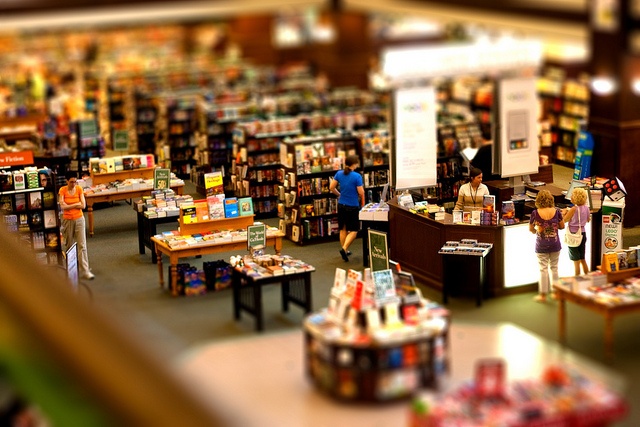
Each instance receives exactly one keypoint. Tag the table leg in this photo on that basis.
(90, 216)
(236, 283)
(608, 336)
(140, 235)
(257, 304)
(481, 281)
(307, 290)
(160, 272)
(562, 318)
(174, 279)
(278, 245)
(284, 288)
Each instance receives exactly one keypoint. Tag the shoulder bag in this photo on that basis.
(573, 239)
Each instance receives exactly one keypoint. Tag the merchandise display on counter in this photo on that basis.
(377, 340)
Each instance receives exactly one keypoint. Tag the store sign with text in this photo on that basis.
(18, 158)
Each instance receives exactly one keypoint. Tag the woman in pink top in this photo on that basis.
(71, 199)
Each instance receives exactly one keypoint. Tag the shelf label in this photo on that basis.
(256, 236)
(161, 178)
(16, 159)
(121, 140)
(378, 252)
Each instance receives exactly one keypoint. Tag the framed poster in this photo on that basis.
(71, 255)
(378, 250)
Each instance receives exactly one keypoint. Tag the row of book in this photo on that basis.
(174, 239)
(621, 260)
(120, 163)
(311, 228)
(32, 220)
(27, 178)
(313, 186)
(319, 164)
(375, 178)
(18, 202)
(216, 207)
(465, 247)
(319, 207)
(273, 265)
(162, 203)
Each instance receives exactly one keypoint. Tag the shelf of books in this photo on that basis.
(374, 149)
(146, 111)
(28, 203)
(311, 163)
(86, 143)
(181, 127)
(258, 167)
(564, 106)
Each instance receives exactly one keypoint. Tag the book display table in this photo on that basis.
(112, 196)
(230, 373)
(183, 244)
(609, 306)
(247, 291)
(147, 228)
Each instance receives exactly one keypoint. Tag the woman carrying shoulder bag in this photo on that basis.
(577, 217)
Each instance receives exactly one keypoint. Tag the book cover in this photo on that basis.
(383, 284)
(632, 257)
(48, 200)
(46, 178)
(117, 164)
(610, 261)
(295, 233)
(489, 203)
(51, 239)
(216, 206)
(231, 207)
(6, 204)
(127, 163)
(35, 200)
(213, 183)
(35, 220)
(188, 213)
(33, 181)
(202, 210)
(340, 279)
(622, 260)
(50, 220)
(19, 181)
(6, 181)
(245, 206)
(111, 164)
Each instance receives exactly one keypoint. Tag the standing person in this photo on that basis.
(470, 194)
(577, 217)
(72, 202)
(350, 200)
(545, 222)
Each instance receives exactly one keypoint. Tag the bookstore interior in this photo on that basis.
(259, 144)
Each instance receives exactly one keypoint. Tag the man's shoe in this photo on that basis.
(344, 255)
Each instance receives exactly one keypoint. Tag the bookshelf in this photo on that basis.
(181, 126)
(146, 115)
(29, 206)
(85, 144)
(314, 160)
(374, 149)
(258, 168)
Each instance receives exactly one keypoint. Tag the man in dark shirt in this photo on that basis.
(483, 159)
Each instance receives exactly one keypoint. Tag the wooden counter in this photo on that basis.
(416, 240)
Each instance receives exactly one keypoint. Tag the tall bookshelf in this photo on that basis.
(29, 206)
(146, 115)
(374, 149)
(312, 161)
(181, 127)
(85, 144)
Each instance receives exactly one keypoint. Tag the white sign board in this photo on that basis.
(415, 147)
(518, 139)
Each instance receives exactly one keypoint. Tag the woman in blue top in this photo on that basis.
(577, 217)
(350, 200)
(545, 222)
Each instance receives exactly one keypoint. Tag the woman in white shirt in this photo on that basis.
(470, 194)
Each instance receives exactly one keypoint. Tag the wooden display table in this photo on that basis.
(609, 311)
(208, 247)
(113, 196)
(247, 293)
(147, 228)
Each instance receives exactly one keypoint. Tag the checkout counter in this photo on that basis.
(511, 266)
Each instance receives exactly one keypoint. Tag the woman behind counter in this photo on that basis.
(470, 194)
